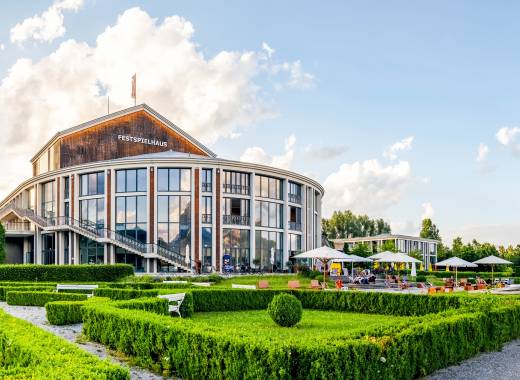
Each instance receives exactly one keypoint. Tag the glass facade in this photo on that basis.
(236, 182)
(268, 187)
(125, 257)
(207, 180)
(131, 181)
(207, 209)
(48, 203)
(295, 218)
(268, 250)
(173, 180)
(92, 184)
(295, 193)
(48, 249)
(295, 244)
(268, 214)
(174, 222)
(207, 249)
(235, 211)
(92, 212)
(131, 217)
(90, 251)
(235, 244)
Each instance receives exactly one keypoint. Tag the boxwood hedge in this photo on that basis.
(28, 352)
(124, 294)
(28, 298)
(63, 273)
(190, 350)
(11, 288)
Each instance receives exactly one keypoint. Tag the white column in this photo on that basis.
(285, 217)
(252, 216)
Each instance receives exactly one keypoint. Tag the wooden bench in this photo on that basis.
(77, 287)
(263, 284)
(240, 286)
(177, 298)
(294, 284)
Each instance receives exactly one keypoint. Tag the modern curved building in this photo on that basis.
(132, 187)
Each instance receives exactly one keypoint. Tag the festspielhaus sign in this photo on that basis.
(142, 140)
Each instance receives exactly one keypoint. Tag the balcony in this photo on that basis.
(295, 198)
(239, 220)
(236, 189)
(206, 218)
(207, 187)
(293, 226)
(18, 228)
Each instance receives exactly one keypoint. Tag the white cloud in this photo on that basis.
(507, 137)
(392, 151)
(298, 78)
(209, 97)
(2, 46)
(324, 152)
(258, 155)
(366, 187)
(47, 26)
(482, 152)
(268, 49)
(428, 211)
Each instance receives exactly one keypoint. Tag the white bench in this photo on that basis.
(175, 282)
(239, 286)
(177, 298)
(76, 287)
(201, 284)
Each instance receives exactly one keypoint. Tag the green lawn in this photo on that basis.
(275, 281)
(316, 326)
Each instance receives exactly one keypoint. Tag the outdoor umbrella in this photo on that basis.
(456, 262)
(492, 260)
(354, 259)
(379, 255)
(391, 257)
(323, 254)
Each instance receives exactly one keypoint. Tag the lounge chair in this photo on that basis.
(315, 284)
(293, 284)
(263, 284)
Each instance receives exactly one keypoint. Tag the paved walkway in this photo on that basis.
(503, 365)
(37, 316)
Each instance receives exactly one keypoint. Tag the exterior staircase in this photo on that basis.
(101, 235)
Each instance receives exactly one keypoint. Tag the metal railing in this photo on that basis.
(207, 187)
(236, 189)
(295, 226)
(206, 218)
(235, 219)
(295, 198)
(25, 213)
(18, 227)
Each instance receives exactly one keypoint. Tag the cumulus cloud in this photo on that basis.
(258, 155)
(507, 137)
(324, 152)
(428, 211)
(366, 187)
(482, 152)
(268, 49)
(392, 151)
(46, 26)
(209, 97)
(298, 78)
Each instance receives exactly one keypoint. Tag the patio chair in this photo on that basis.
(315, 284)
(263, 284)
(432, 290)
(293, 284)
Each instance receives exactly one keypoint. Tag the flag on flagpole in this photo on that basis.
(134, 88)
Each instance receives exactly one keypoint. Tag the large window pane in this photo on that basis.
(162, 180)
(131, 181)
(174, 180)
(121, 181)
(131, 210)
(141, 209)
(162, 209)
(141, 180)
(185, 180)
(120, 210)
(174, 210)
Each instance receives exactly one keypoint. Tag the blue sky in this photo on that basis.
(444, 73)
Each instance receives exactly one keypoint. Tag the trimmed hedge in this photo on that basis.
(28, 352)
(189, 350)
(26, 298)
(78, 273)
(71, 312)
(24, 288)
(145, 285)
(361, 302)
(124, 294)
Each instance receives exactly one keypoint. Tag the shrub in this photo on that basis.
(187, 306)
(40, 298)
(285, 309)
(124, 294)
(67, 312)
(29, 352)
(188, 350)
(5, 289)
(420, 278)
(78, 273)
(153, 305)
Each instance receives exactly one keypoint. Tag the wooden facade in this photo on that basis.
(126, 136)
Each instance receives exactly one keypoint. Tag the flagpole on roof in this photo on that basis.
(134, 88)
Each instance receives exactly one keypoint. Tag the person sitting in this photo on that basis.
(339, 284)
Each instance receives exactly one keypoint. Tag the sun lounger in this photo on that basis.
(293, 284)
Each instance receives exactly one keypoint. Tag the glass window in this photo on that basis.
(174, 222)
(174, 180)
(120, 181)
(267, 187)
(162, 180)
(131, 217)
(207, 180)
(91, 252)
(92, 184)
(207, 249)
(236, 183)
(268, 214)
(185, 180)
(236, 245)
(131, 181)
(207, 209)
(141, 180)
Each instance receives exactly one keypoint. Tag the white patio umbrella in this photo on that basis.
(398, 257)
(323, 254)
(413, 273)
(379, 255)
(354, 259)
(492, 260)
(456, 262)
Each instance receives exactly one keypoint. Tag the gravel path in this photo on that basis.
(37, 316)
(503, 365)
